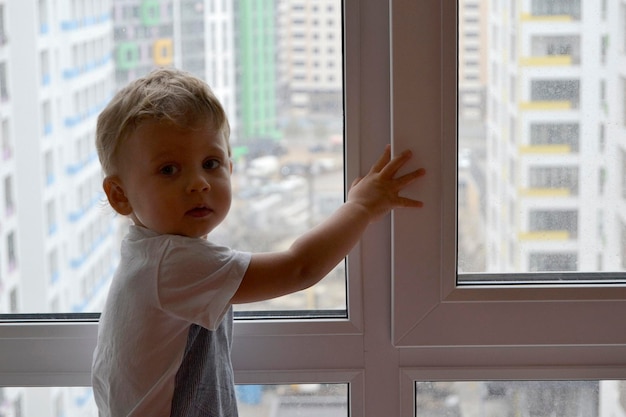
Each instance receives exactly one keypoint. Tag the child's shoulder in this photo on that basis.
(178, 248)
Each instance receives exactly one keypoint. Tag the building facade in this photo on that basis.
(59, 243)
(555, 133)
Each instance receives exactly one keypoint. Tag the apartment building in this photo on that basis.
(57, 74)
(57, 239)
(472, 59)
(555, 133)
(143, 36)
(9, 266)
(256, 70)
(311, 69)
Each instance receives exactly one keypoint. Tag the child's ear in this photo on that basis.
(116, 196)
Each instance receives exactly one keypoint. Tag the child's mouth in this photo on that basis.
(199, 212)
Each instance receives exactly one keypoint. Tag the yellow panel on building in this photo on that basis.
(527, 17)
(163, 51)
(545, 149)
(545, 235)
(545, 192)
(546, 105)
(547, 61)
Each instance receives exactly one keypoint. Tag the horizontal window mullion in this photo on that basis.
(60, 353)
(289, 352)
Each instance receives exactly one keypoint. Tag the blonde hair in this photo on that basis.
(165, 94)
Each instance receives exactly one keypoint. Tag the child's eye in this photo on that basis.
(168, 170)
(211, 164)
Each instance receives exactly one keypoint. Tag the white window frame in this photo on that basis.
(407, 319)
(540, 331)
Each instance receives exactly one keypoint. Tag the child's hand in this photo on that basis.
(377, 192)
(314, 254)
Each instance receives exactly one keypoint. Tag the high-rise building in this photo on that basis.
(9, 266)
(58, 76)
(310, 57)
(472, 59)
(193, 35)
(555, 136)
(57, 240)
(143, 37)
(256, 70)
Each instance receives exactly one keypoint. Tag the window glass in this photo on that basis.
(541, 149)
(303, 400)
(280, 81)
(526, 398)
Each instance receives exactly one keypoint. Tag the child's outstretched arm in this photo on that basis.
(318, 251)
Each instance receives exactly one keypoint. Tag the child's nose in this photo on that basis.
(198, 182)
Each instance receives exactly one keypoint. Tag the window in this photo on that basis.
(4, 90)
(44, 26)
(51, 217)
(46, 110)
(563, 221)
(11, 250)
(516, 397)
(412, 319)
(555, 134)
(556, 7)
(555, 90)
(3, 35)
(554, 262)
(7, 147)
(511, 313)
(558, 178)
(9, 201)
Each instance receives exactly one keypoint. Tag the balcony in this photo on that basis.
(549, 61)
(545, 235)
(549, 105)
(553, 10)
(548, 18)
(546, 192)
(553, 95)
(546, 149)
(551, 225)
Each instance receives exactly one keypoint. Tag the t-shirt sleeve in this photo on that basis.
(197, 280)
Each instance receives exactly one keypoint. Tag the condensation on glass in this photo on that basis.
(276, 66)
(293, 400)
(541, 165)
(520, 398)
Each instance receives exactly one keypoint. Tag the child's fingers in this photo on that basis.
(409, 202)
(382, 161)
(356, 181)
(392, 167)
(406, 179)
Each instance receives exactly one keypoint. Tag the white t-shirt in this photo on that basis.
(164, 286)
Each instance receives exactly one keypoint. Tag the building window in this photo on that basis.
(12, 250)
(4, 88)
(555, 134)
(555, 7)
(554, 220)
(558, 177)
(9, 201)
(556, 90)
(553, 262)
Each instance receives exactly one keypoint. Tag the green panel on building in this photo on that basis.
(127, 56)
(150, 12)
(257, 52)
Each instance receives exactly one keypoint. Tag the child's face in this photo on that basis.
(174, 180)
